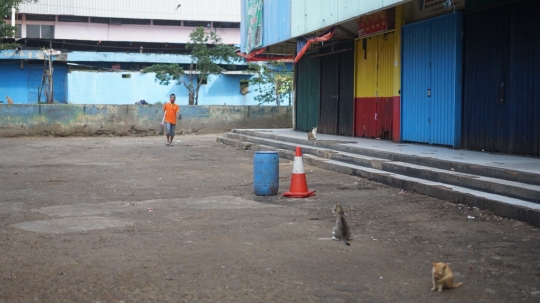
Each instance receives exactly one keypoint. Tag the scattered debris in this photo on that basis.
(470, 217)
(150, 210)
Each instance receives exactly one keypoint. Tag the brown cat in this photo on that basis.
(443, 276)
(9, 100)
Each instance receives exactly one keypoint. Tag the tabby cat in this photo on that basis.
(443, 276)
(341, 231)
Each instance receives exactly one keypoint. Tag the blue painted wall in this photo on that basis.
(90, 87)
(127, 57)
(22, 85)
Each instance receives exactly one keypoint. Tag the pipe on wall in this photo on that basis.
(13, 18)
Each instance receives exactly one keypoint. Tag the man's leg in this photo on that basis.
(173, 129)
(168, 131)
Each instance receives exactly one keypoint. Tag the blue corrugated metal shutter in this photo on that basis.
(522, 129)
(486, 53)
(416, 105)
(431, 81)
(502, 79)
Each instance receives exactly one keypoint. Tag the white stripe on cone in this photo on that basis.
(298, 166)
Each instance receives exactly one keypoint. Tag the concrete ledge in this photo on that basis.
(492, 172)
(140, 120)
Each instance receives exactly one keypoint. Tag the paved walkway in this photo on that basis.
(502, 161)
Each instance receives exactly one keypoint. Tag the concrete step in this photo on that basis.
(372, 168)
(462, 167)
(527, 192)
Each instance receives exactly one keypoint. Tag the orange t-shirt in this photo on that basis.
(172, 112)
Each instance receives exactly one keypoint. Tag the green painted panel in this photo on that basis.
(308, 93)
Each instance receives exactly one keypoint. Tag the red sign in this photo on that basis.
(376, 23)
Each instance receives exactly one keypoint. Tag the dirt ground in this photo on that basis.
(128, 219)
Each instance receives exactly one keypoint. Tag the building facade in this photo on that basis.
(457, 73)
(103, 45)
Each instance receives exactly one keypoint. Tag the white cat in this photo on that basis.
(312, 134)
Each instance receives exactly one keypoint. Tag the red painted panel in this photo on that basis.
(365, 124)
(374, 117)
(384, 118)
(396, 117)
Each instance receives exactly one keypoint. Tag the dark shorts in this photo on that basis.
(170, 128)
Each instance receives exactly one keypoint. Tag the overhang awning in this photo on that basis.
(303, 43)
(257, 56)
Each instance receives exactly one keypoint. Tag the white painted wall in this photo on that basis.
(194, 10)
(125, 32)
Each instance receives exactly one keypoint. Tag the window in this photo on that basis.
(8, 17)
(40, 31)
(226, 25)
(40, 17)
(72, 19)
(136, 21)
(168, 22)
(99, 20)
(198, 23)
(47, 31)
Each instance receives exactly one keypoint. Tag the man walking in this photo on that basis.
(171, 111)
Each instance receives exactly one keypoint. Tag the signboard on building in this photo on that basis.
(254, 24)
(375, 23)
(424, 9)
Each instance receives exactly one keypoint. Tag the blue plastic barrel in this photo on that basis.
(266, 173)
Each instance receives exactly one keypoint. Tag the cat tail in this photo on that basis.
(343, 230)
(456, 285)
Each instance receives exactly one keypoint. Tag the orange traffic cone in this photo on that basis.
(299, 188)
